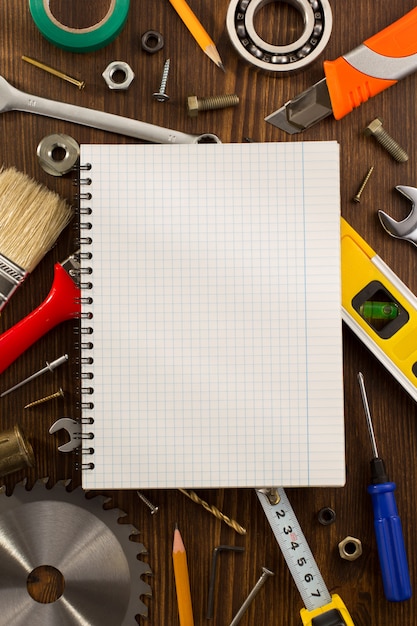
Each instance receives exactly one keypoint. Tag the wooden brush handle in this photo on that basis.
(61, 304)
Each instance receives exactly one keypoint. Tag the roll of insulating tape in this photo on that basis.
(80, 39)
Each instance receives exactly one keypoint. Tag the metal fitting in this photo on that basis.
(326, 516)
(375, 129)
(350, 548)
(195, 104)
(152, 41)
(49, 150)
(118, 75)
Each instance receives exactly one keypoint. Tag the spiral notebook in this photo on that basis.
(212, 335)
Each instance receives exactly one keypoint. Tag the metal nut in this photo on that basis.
(350, 548)
(118, 75)
(152, 41)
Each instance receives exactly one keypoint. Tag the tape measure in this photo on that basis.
(321, 608)
(82, 39)
(379, 308)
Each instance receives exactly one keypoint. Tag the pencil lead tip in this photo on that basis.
(220, 64)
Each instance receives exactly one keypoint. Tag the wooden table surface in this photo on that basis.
(395, 413)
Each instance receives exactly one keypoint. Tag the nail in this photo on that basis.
(266, 573)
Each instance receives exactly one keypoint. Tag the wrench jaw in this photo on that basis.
(73, 428)
(407, 228)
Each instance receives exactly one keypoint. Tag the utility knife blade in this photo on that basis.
(378, 63)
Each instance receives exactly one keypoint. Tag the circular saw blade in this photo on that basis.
(84, 543)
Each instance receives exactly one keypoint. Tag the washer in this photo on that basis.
(317, 19)
(45, 152)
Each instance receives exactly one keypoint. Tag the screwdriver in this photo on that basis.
(387, 523)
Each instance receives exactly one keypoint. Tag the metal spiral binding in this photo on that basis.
(86, 330)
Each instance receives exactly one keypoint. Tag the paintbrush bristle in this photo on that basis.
(31, 218)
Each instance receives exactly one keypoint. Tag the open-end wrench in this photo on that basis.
(73, 428)
(407, 228)
(11, 99)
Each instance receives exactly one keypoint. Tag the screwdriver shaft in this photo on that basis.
(368, 414)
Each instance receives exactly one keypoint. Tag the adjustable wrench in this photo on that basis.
(407, 228)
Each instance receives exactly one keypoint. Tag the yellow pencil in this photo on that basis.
(197, 30)
(182, 582)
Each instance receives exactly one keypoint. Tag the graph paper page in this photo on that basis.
(216, 303)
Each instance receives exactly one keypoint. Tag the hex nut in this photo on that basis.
(124, 70)
(192, 106)
(350, 548)
(152, 41)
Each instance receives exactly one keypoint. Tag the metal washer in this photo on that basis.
(317, 18)
(45, 153)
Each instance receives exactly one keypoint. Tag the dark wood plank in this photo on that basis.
(358, 582)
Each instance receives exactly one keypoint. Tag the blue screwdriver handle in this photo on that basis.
(390, 542)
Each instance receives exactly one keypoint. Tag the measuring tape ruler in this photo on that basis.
(80, 39)
(321, 608)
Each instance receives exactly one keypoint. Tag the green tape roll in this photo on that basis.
(84, 39)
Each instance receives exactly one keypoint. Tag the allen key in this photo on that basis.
(216, 551)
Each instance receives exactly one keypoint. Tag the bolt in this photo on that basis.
(160, 95)
(74, 81)
(57, 394)
(154, 509)
(266, 573)
(196, 104)
(357, 197)
(376, 129)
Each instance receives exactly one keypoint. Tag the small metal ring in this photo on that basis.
(45, 152)
(326, 516)
(317, 19)
(152, 41)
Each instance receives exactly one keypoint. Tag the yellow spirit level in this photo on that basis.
(369, 287)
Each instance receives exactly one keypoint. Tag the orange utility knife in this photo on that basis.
(352, 79)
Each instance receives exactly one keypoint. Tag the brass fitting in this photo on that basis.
(350, 548)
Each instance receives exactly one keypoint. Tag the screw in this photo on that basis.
(376, 129)
(154, 509)
(195, 104)
(160, 95)
(357, 197)
(266, 573)
(79, 83)
(57, 394)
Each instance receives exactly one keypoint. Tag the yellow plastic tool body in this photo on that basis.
(364, 272)
(336, 610)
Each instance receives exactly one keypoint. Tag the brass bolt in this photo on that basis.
(375, 129)
(357, 197)
(195, 104)
(57, 394)
(74, 81)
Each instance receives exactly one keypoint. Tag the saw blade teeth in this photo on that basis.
(125, 587)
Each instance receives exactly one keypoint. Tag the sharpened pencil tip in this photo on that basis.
(222, 67)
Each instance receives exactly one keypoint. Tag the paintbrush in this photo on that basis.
(31, 219)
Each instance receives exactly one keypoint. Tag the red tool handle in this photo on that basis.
(61, 304)
(369, 69)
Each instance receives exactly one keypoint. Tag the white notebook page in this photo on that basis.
(216, 315)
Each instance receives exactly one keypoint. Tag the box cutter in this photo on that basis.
(62, 303)
(352, 79)
(369, 290)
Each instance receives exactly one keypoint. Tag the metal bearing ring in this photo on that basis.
(50, 145)
(152, 41)
(317, 18)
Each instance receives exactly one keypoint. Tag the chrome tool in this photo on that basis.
(387, 523)
(352, 79)
(407, 228)
(77, 551)
(11, 99)
(320, 607)
(369, 284)
(49, 367)
(74, 430)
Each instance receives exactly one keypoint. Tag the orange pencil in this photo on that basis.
(197, 30)
(182, 582)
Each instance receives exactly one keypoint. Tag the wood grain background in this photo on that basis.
(279, 603)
